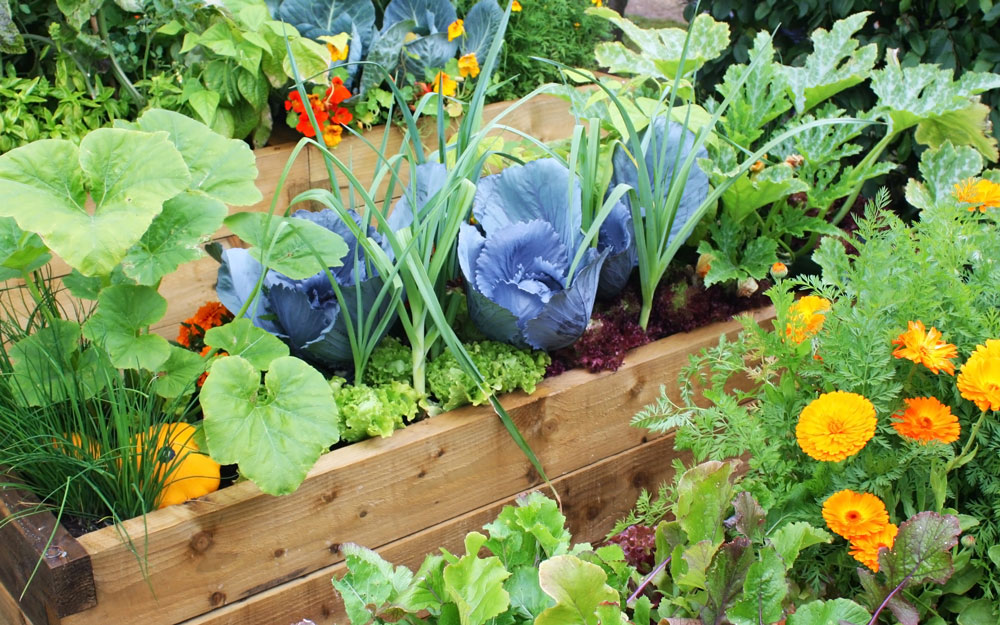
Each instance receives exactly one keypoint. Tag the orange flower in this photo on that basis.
(853, 515)
(192, 330)
(445, 84)
(925, 348)
(336, 52)
(204, 352)
(865, 548)
(835, 425)
(515, 7)
(336, 92)
(805, 317)
(456, 29)
(332, 134)
(779, 270)
(926, 419)
(979, 378)
(597, 3)
(468, 65)
(981, 194)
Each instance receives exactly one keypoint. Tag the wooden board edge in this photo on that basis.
(10, 610)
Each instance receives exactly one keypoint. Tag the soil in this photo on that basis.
(657, 9)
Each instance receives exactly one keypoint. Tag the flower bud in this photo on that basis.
(704, 265)
(794, 160)
(968, 540)
(757, 167)
(746, 287)
(779, 270)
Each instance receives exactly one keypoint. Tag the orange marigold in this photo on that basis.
(852, 515)
(926, 419)
(210, 315)
(979, 377)
(865, 548)
(835, 425)
(805, 317)
(925, 347)
(978, 194)
(515, 7)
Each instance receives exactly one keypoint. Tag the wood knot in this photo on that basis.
(217, 599)
(422, 473)
(200, 542)
(438, 453)
(640, 479)
(363, 514)
(278, 553)
(328, 497)
(334, 548)
(593, 511)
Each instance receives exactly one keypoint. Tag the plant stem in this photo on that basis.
(76, 61)
(888, 597)
(119, 72)
(956, 461)
(646, 580)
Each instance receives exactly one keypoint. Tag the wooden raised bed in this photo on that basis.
(238, 556)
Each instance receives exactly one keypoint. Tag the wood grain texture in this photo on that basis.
(593, 498)
(10, 610)
(63, 583)
(238, 542)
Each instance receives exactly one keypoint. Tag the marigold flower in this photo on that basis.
(805, 317)
(865, 548)
(978, 194)
(926, 348)
(926, 419)
(208, 316)
(515, 7)
(337, 53)
(853, 515)
(979, 377)
(468, 65)
(835, 425)
(204, 352)
(456, 29)
(445, 84)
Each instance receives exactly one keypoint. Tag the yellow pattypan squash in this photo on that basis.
(189, 473)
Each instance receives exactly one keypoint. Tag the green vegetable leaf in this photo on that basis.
(690, 564)
(941, 169)
(367, 411)
(578, 588)
(283, 243)
(527, 599)
(43, 369)
(241, 337)
(724, 578)
(519, 531)
(750, 516)
(178, 374)
(764, 591)
(837, 611)
(427, 591)
(128, 174)
(475, 584)
(836, 63)
(124, 312)
(759, 100)
(748, 194)
(77, 12)
(11, 41)
(82, 286)
(922, 550)
(370, 583)
(703, 496)
(790, 539)
(275, 432)
(968, 126)
(20, 251)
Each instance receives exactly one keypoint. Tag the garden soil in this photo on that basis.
(657, 9)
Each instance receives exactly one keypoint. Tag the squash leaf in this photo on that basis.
(283, 243)
(124, 312)
(241, 338)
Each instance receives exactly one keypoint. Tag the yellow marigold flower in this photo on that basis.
(445, 84)
(853, 515)
(926, 348)
(805, 317)
(468, 66)
(456, 29)
(597, 3)
(979, 377)
(981, 194)
(835, 425)
(515, 7)
(865, 548)
(926, 419)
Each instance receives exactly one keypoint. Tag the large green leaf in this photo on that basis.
(519, 531)
(124, 311)
(968, 126)
(77, 12)
(835, 64)
(922, 550)
(221, 168)
(475, 584)
(283, 243)
(790, 539)
(43, 364)
(385, 51)
(129, 175)
(703, 496)
(941, 169)
(748, 193)
(177, 375)
(369, 584)
(689, 566)
(578, 588)
(242, 338)
(20, 251)
(837, 611)
(274, 432)
(760, 98)
(764, 590)
(174, 237)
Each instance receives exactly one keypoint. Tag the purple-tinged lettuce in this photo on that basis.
(518, 276)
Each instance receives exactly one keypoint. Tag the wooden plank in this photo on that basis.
(10, 611)
(593, 498)
(63, 583)
(213, 551)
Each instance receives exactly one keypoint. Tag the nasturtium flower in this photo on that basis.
(865, 549)
(332, 134)
(805, 317)
(926, 419)
(517, 268)
(515, 7)
(979, 377)
(852, 515)
(597, 3)
(445, 84)
(337, 53)
(925, 347)
(978, 194)
(468, 65)
(336, 92)
(456, 29)
(835, 426)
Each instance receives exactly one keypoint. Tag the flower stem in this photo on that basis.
(960, 459)
(649, 578)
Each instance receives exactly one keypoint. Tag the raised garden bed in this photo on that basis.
(239, 556)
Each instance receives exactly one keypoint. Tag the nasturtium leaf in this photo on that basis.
(838, 611)
(922, 550)
(173, 238)
(283, 243)
(941, 169)
(724, 578)
(836, 63)
(764, 591)
(241, 338)
(128, 174)
(790, 539)
(475, 584)
(20, 252)
(178, 374)
(578, 588)
(221, 168)
(369, 584)
(274, 432)
(703, 496)
(124, 312)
